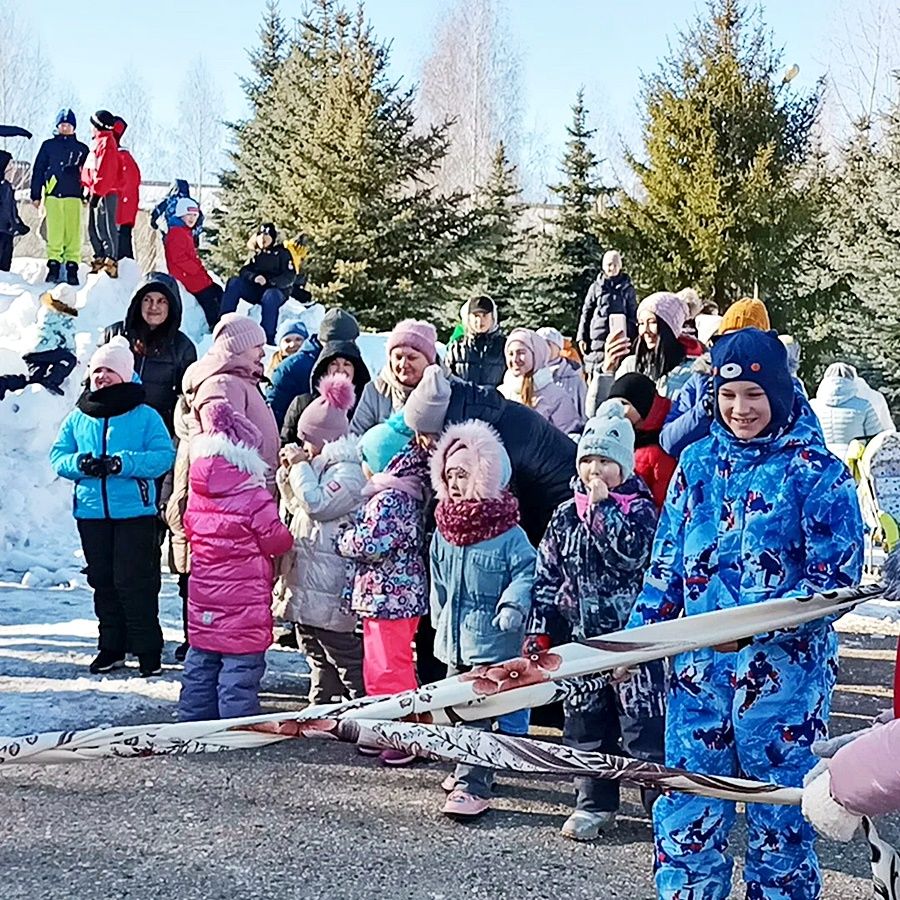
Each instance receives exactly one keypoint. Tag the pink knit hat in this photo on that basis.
(534, 342)
(417, 334)
(235, 334)
(325, 419)
(115, 356)
(220, 417)
(666, 306)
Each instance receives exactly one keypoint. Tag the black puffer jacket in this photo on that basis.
(478, 358)
(605, 297)
(361, 377)
(275, 264)
(542, 457)
(161, 356)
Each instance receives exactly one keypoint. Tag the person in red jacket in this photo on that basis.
(646, 409)
(101, 176)
(184, 263)
(129, 193)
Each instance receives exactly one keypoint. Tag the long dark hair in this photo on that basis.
(659, 361)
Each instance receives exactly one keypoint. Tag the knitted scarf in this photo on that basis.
(465, 522)
(399, 393)
(115, 400)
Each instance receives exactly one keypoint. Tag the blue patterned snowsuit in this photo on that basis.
(746, 522)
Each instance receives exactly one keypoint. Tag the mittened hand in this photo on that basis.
(508, 619)
(87, 464)
(112, 465)
(824, 813)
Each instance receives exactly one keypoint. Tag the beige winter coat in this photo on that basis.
(179, 549)
(322, 495)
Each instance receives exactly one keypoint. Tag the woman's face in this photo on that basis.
(290, 344)
(263, 241)
(648, 329)
(407, 365)
(102, 377)
(745, 409)
(340, 366)
(592, 468)
(519, 359)
(457, 480)
(154, 308)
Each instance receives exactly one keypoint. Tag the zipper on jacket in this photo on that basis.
(106, 514)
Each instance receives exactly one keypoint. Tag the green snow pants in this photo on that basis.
(64, 232)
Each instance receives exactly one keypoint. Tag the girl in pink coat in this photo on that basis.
(234, 532)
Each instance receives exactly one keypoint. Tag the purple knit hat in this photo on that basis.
(417, 334)
(666, 306)
(325, 419)
(219, 417)
(235, 334)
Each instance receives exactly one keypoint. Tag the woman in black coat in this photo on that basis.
(162, 352)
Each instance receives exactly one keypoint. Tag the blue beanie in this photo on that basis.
(292, 326)
(381, 443)
(759, 357)
(66, 115)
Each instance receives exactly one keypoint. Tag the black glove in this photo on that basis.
(110, 465)
(90, 465)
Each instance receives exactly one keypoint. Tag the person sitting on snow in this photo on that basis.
(184, 263)
(164, 211)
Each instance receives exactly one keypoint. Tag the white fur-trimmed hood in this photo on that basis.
(344, 449)
(242, 457)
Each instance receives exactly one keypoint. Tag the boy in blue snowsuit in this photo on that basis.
(758, 510)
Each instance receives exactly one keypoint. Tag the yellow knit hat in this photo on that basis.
(745, 313)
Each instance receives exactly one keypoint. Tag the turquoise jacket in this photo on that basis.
(138, 437)
(469, 586)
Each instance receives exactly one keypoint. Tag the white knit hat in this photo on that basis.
(115, 356)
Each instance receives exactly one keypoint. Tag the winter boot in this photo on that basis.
(53, 276)
(149, 664)
(97, 264)
(111, 267)
(181, 652)
(586, 826)
(72, 273)
(106, 661)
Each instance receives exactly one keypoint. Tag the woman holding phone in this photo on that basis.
(660, 351)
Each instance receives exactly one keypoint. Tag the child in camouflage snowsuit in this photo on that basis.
(758, 510)
(590, 567)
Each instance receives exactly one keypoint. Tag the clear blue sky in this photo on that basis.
(564, 43)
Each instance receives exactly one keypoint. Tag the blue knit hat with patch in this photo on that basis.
(381, 443)
(292, 326)
(759, 357)
(66, 115)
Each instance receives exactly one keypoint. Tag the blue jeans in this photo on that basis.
(220, 685)
(270, 299)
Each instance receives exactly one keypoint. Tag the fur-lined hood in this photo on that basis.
(491, 468)
(217, 446)
(342, 450)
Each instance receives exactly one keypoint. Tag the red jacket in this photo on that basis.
(102, 170)
(651, 462)
(129, 189)
(183, 261)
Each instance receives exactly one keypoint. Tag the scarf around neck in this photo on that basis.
(466, 522)
(115, 400)
(399, 393)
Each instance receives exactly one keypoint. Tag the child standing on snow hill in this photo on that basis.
(321, 483)
(129, 192)
(56, 176)
(10, 224)
(234, 532)
(482, 571)
(100, 178)
(591, 563)
(114, 447)
(184, 263)
(385, 543)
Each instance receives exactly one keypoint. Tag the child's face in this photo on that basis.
(65, 128)
(102, 377)
(457, 480)
(290, 344)
(190, 219)
(745, 409)
(593, 467)
(312, 450)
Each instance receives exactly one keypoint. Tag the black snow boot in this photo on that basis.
(149, 664)
(181, 652)
(106, 661)
(53, 275)
(72, 273)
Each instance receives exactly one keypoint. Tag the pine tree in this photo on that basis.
(269, 55)
(497, 263)
(569, 256)
(333, 150)
(726, 202)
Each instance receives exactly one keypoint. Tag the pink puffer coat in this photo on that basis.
(865, 774)
(234, 531)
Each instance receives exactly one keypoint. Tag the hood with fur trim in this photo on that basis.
(344, 449)
(220, 467)
(490, 469)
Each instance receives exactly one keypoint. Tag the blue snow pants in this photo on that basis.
(220, 685)
(270, 299)
(754, 713)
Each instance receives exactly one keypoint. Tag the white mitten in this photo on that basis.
(824, 813)
(508, 619)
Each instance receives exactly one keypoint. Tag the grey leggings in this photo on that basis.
(102, 228)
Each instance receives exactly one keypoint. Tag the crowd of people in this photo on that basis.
(458, 508)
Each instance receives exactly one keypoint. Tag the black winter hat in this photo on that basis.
(338, 325)
(482, 304)
(103, 120)
(269, 229)
(637, 389)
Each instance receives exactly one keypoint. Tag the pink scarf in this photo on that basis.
(465, 522)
